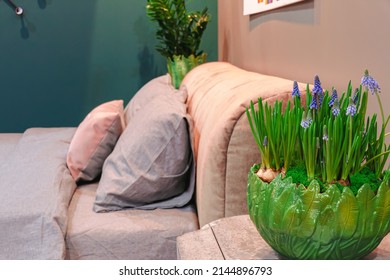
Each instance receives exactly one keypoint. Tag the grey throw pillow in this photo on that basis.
(158, 86)
(152, 163)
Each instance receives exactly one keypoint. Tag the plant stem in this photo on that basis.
(387, 121)
(381, 108)
(350, 137)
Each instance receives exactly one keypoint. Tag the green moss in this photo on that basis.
(366, 176)
(298, 174)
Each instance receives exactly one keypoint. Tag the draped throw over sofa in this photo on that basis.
(128, 180)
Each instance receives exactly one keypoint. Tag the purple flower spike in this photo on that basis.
(351, 109)
(318, 94)
(317, 89)
(335, 111)
(336, 107)
(370, 83)
(306, 120)
(305, 123)
(333, 98)
(314, 104)
(320, 99)
(295, 91)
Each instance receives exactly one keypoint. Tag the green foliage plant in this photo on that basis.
(329, 197)
(180, 32)
(330, 134)
(275, 133)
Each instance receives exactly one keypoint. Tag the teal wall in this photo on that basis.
(64, 57)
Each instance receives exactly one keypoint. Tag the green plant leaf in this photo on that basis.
(179, 32)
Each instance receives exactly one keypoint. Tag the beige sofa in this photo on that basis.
(218, 94)
(57, 218)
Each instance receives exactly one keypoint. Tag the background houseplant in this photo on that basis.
(321, 191)
(180, 33)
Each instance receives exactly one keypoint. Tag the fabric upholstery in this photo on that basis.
(95, 139)
(158, 86)
(218, 94)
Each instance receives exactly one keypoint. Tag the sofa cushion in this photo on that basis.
(152, 164)
(94, 140)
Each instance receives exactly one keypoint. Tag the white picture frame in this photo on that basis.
(258, 6)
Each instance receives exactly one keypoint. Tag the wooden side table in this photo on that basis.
(236, 238)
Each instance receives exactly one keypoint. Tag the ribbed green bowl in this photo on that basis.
(302, 223)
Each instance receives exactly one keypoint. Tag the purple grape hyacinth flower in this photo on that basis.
(317, 89)
(333, 97)
(336, 107)
(306, 120)
(305, 123)
(335, 111)
(351, 109)
(318, 94)
(320, 98)
(370, 83)
(295, 92)
(314, 104)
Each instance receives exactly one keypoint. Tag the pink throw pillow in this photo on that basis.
(94, 140)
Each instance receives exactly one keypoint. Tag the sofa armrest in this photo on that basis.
(218, 94)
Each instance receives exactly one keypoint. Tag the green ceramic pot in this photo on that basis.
(179, 66)
(302, 223)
